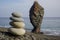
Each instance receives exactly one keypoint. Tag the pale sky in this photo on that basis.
(51, 7)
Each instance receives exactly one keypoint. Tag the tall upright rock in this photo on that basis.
(36, 16)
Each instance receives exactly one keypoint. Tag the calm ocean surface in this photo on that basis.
(50, 25)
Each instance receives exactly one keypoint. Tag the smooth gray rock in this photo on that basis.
(16, 19)
(17, 31)
(16, 14)
(17, 24)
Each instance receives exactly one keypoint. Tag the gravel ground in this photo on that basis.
(5, 35)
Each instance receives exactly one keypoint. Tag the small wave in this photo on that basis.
(51, 32)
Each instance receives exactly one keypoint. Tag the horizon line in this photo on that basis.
(44, 17)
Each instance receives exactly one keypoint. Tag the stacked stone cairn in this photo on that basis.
(17, 24)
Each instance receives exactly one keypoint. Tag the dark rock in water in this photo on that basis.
(36, 16)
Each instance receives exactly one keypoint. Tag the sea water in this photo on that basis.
(49, 26)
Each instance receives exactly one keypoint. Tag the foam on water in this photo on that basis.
(51, 32)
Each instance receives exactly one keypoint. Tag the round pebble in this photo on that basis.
(17, 31)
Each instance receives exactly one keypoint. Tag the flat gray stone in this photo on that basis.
(17, 24)
(17, 19)
(14, 14)
(17, 31)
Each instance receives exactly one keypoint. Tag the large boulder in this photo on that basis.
(36, 16)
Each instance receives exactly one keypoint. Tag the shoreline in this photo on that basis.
(29, 30)
(4, 31)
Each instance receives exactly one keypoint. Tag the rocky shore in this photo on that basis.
(5, 35)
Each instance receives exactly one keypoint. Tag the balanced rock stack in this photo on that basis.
(17, 24)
